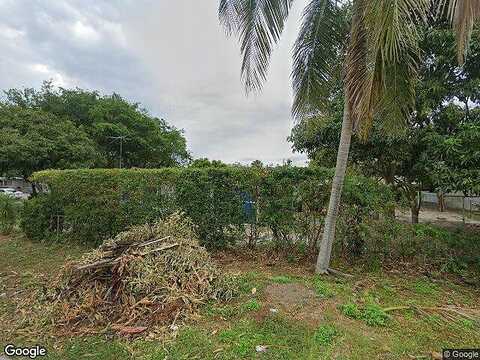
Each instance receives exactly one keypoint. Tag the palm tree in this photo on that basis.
(379, 67)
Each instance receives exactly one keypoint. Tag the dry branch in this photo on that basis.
(135, 289)
(448, 313)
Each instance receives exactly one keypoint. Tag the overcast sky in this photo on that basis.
(171, 56)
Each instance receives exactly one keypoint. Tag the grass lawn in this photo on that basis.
(283, 307)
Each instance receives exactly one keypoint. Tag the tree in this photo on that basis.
(205, 163)
(400, 159)
(380, 62)
(453, 159)
(146, 141)
(33, 140)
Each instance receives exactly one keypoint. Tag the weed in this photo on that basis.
(252, 305)
(9, 209)
(425, 288)
(232, 310)
(372, 314)
(247, 281)
(351, 310)
(325, 335)
(468, 324)
(291, 258)
(226, 312)
(374, 264)
(322, 288)
(236, 333)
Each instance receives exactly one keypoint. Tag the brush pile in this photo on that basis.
(149, 275)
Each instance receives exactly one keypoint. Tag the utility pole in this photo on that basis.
(120, 139)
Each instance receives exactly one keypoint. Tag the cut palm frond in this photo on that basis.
(445, 313)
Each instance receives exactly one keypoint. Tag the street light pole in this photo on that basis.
(120, 140)
(121, 150)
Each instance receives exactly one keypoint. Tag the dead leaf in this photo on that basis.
(129, 330)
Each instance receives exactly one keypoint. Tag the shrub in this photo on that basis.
(389, 242)
(40, 216)
(8, 213)
(361, 201)
(291, 202)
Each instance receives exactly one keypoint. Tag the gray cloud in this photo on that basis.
(173, 57)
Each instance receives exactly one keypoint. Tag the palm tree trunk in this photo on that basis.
(323, 260)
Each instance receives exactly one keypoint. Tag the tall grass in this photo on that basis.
(9, 208)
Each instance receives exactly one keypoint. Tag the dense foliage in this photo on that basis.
(389, 243)
(32, 140)
(9, 208)
(436, 150)
(223, 202)
(73, 128)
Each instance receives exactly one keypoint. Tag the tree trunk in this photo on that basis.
(441, 201)
(415, 205)
(323, 260)
(415, 210)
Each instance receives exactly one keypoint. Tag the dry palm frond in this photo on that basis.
(462, 14)
(444, 313)
(382, 60)
(148, 275)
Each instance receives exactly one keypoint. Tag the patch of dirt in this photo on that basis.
(270, 263)
(289, 295)
(4, 238)
(296, 300)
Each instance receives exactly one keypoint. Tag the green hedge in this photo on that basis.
(91, 205)
(9, 209)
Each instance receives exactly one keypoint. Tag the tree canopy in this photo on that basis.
(437, 149)
(99, 124)
(206, 163)
(32, 140)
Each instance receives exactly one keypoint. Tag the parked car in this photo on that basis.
(8, 191)
(20, 195)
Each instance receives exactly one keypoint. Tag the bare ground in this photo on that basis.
(433, 216)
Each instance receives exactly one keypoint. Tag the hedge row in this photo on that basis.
(91, 205)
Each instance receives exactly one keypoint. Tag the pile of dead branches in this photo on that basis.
(149, 275)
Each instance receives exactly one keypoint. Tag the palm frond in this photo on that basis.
(317, 55)
(382, 64)
(462, 14)
(356, 72)
(258, 25)
(227, 13)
